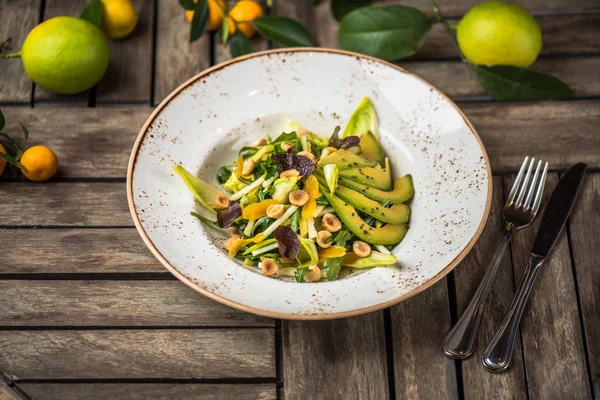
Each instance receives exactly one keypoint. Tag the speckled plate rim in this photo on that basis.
(433, 280)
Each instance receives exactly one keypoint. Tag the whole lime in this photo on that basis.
(65, 55)
(499, 33)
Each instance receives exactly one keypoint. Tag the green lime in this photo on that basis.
(499, 33)
(65, 55)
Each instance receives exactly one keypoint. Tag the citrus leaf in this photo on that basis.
(2, 120)
(25, 135)
(283, 30)
(339, 8)
(13, 161)
(10, 141)
(239, 44)
(200, 20)
(93, 12)
(187, 4)
(517, 83)
(388, 32)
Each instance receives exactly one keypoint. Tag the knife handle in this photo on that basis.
(498, 353)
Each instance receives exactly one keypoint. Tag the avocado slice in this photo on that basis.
(387, 234)
(377, 178)
(403, 190)
(397, 214)
(345, 159)
(371, 149)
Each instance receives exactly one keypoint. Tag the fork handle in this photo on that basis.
(498, 353)
(460, 341)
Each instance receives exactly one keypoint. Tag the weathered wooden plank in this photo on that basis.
(28, 251)
(550, 328)
(452, 77)
(8, 392)
(149, 391)
(64, 204)
(477, 382)
(585, 231)
(176, 59)
(422, 371)
(114, 303)
(130, 354)
(41, 97)
(343, 358)
(89, 142)
(18, 19)
(129, 74)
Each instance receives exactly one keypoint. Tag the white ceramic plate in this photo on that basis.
(204, 122)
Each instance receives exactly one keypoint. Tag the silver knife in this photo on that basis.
(498, 353)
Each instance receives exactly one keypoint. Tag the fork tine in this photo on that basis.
(525, 183)
(540, 191)
(515, 186)
(528, 200)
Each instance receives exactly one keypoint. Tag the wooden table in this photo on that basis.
(86, 312)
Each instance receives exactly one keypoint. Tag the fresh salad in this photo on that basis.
(309, 207)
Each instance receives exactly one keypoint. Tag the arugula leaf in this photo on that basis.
(223, 174)
(247, 152)
(342, 237)
(332, 268)
(300, 274)
(290, 137)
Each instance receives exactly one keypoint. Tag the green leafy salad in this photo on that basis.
(310, 207)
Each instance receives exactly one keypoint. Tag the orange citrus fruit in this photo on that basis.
(41, 163)
(215, 14)
(119, 18)
(2, 160)
(245, 10)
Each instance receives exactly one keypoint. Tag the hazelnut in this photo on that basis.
(275, 210)
(361, 249)
(221, 201)
(331, 222)
(259, 143)
(302, 132)
(268, 267)
(248, 167)
(322, 237)
(290, 173)
(234, 232)
(285, 146)
(299, 198)
(308, 155)
(314, 275)
(331, 149)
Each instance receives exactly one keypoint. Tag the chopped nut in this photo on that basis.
(314, 275)
(221, 201)
(259, 143)
(230, 242)
(299, 198)
(248, 167)
(275, 210)
(361, 249)
(322, 237)
(330, 149)
(308, 155)
(268, 267)
(290, 173)
(331, 222)
(234, 232)
(302, 132)
(285, 146)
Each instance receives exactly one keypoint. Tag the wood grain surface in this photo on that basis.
(149, 391)
(114, 303)
(129, 354)
(7, 392)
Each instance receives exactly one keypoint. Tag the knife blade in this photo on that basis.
(558, 210)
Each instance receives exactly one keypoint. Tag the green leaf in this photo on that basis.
(187, 4)
(93, 12)
(239, 44)
(2, 120)
(283, 30)
(200, 20)
(13, 161)
(332, 268)
(300, 273)
(225, 30)
(339, 8)
(521, 84)
(25, 135)
(388, 32)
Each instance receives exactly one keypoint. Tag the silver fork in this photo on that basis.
(519, 212)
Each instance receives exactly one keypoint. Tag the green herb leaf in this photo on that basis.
(223, 174)
(518, 84)
(239, 44)
(93, 12)
(2, 120)
(339, 8)
(13, 161)
(332, 268)
(200, 20)
(300, 273)
(247, 151)
(187, 4)
(283, 30)
(388, 32)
